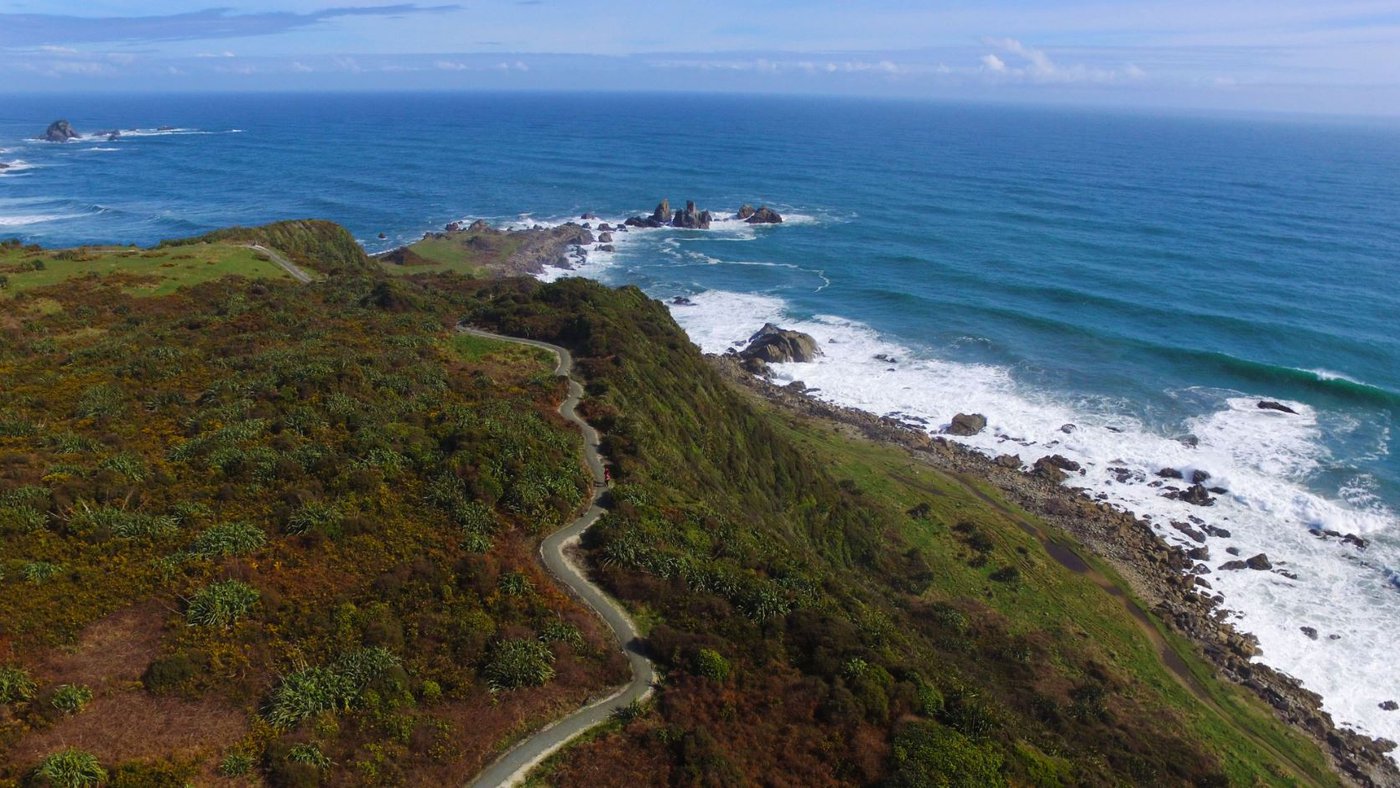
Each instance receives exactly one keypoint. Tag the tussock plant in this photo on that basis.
(71, 768)
(15, 684)
(518, 662)
(221, 604)
(71, 698)
(334, 687)
(223, 539)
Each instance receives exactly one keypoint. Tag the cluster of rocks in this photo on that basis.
(1168, 578)
(692, 218)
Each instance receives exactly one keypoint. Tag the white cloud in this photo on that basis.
(1036, 66)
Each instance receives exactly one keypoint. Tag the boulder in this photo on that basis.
(605, 228)
(1047, 469)
(1232, 566)
(1169, 473)
(1259, 563)
(1268, 404)
(605, 238)
(745, 211)
(765, 215)
(114, 136)
(1068, 428)
(479, 226)
(682, 301)
(967, 424)
(1196, 495)
(1063, 463)
(607, 248)
(588, 217)
(1012, 461)
(662, 214)
(777, 345)
(60, 131)
(1199, 476)
(1390, 705)
(1309, 631)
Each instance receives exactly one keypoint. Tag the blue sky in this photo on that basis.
(1333, 56)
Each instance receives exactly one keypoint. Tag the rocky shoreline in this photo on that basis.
(1158, 573)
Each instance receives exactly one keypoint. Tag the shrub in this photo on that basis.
(711, 664)
(928, 754)
(518, 662)
(103, 521)
(71, 768)
(430, 692)
(15, 684)
(221, 604)
(71, 698)
(225, 539)
(167, 674)
(515, 584)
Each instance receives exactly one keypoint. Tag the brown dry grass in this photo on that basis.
(133, 725)
(111, 653)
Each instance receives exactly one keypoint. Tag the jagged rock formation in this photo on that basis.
(60, 131)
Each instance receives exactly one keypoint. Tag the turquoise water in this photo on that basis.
(1142, 278)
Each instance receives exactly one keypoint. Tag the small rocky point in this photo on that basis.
(1268, 404)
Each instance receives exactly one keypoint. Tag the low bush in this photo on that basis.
(70, 768)
(71, 698)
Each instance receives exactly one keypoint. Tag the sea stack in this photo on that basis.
(60, 131)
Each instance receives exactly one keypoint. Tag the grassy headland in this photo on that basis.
(286, 533)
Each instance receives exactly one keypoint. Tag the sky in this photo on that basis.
(1297, 56)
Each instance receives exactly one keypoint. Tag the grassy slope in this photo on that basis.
(393, 478)
(792, 552)
(462, 252)
(142, 271)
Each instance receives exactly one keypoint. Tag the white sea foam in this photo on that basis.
(1261, 457)
(24, 220)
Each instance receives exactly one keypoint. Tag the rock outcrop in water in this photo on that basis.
(774, 345)
(764, 215)
(60, 131)
(1268, 404)
(692, 219)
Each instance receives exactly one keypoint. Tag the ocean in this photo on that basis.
(1120, 289)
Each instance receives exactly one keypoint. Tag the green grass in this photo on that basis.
(1237, 726)
(152, 272)
(474, 349)
(455, 253)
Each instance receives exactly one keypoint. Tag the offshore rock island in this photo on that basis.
(272, 509)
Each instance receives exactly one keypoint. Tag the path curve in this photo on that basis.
(286, 265)
(511, 768)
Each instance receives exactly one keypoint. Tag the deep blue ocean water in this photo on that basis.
(1142, 278)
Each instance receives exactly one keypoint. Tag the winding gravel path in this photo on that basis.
(512, 767)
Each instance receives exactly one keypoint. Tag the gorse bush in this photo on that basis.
(71, 768)
(71, 698)
(518, 662)
(15, 684)
(221, 604)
